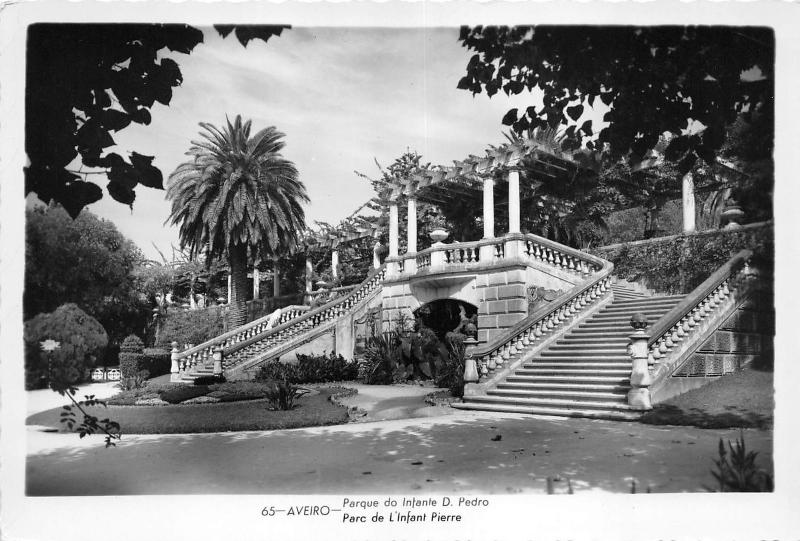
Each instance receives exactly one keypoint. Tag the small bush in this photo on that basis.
(209, 380)
(740, 473)
(137, 381)
(82, 340)
(158, 361)
(309, 369)
(451, 374)
(381, 359)
(281, 395)
(185, 392)
(131, 344)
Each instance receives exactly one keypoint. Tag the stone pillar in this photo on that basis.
(488, 208)
(639, 395)
(392, 269)
(217, 354)
(688, 203)
(309, 275)
(513, 201)
(376, 258)
(230, 288)
(175, 368)
(412, 225)
(411, 264)
(276, 279)
(335, 264)
(394, 230)
(470, 367)
(256, 283)
(486, 253)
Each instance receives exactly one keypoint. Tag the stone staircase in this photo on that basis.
(257, 342)
(585, 373)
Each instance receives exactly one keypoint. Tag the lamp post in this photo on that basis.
(49, 346)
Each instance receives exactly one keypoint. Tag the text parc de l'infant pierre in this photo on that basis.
(412, 509)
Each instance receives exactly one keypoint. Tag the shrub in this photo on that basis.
(679, 264)
(158, 361)
(191, 327)
(451, 374)
(131, 344)
(185, 392)
(209, 380)
(281, 395)
(82, 340)
(740, 473)
(310, 369)
(380, 359)
(137, 381)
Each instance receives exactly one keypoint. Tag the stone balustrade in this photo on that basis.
(515, 246)
(488, 358)
(666, 336)
(295, 320)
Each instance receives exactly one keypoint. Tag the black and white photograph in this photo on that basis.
(402, 271)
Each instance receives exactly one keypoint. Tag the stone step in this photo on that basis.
(504, 407)
(605, 398)
(593, 390)
(571, 380)
(593, 369)
(554, 403)
(626, 317)
(591, 340)
(583, 351)
(551, 357)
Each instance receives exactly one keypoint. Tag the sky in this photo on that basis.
(344, 97)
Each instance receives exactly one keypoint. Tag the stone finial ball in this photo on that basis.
(639, 321)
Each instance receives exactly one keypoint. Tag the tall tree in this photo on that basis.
(238, 198)
(85, 81)
(85, 261)
(653, 80)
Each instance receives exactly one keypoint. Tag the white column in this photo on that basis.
(688, 203)
(394, 230)
(309, 274)
(256, 283)
(412, 225)
(488, 208)
(230, 288)
(376, 259)
(335, 264)
(513, 201)
(276, 280)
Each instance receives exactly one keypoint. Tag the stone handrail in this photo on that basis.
(530, 247)
(492, 355)
(295, 320)
(334, 290)
(678, 322)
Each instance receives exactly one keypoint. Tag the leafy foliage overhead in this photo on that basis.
(653, 80)
(86, 82)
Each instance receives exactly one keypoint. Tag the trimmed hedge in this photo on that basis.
(157, 361)
(310, 369)
(679, 264)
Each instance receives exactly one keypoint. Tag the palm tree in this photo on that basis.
(239, 199)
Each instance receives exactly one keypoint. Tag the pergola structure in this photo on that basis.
(493, 179)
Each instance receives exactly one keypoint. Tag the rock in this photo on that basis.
(205, 399)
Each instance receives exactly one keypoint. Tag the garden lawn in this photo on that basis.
(742, 399)
(316, 410)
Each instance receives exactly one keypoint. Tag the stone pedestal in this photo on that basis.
(639, 395)
(217, 361)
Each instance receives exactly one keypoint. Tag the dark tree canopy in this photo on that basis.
(655, 80)
(85, 261)
(88, 81)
